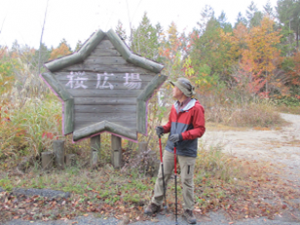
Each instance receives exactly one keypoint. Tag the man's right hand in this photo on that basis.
(159, 131)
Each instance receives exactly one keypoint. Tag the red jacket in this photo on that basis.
(190, 124)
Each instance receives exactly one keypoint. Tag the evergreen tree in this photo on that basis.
(145, 39)
(120, 30)
(268, 9)
(253, 15)
(15, 47)
(289, 15)
(226, 26)
(240, 19)
(78, 45)
(206, 14)
(210, 51)
(45, 55)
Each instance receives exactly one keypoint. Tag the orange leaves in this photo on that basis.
(62, 50)
(261, 42)
(259, 55)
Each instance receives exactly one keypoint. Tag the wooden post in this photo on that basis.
(70, 160)
(47, 160)
(59, 151)
(95, 147)
(142, 147)
(116, 147)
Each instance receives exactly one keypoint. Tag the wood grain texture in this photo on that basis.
(98, 68)
(119, 44)
(105, 108)
(68, 116)
(104, 101)
(111, 117)
(92, 106)
(94, 85)
(91, 44)
(150, 88)
(116, 60)
(126, 124)
(142, 98)
(119, 77)
(104, 126)
(56, 86)
(103, 93)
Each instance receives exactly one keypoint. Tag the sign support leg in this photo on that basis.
(95, 147)
(116, 156)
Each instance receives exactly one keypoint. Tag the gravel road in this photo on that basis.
(275, 145)
(215, 219)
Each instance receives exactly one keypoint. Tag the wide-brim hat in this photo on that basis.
(185, 86)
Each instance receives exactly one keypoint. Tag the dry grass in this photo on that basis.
(261, 114)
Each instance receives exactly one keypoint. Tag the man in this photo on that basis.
(186, 124)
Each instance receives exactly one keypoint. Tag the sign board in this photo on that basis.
(104, 87)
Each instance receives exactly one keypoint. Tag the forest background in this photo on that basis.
(244, 73)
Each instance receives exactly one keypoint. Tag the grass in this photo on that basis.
(221, 182)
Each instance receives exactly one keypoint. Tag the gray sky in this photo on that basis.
(75, 20)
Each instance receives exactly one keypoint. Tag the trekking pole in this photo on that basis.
(175, 171)
(163, 174)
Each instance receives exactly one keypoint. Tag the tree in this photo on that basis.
(207, 14)
(145, 39)
(262, 51)
(226, 26)
(170, 51)
(62, 50)
(294, 72)
(253, 15)
(289, 15)
(268, 9)
(120, 30)
(78, 45)
(240, 19)
(210, 50)
(43, 54)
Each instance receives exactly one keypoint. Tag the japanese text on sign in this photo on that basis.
(79, 80)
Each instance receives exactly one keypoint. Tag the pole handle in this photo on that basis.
(160, 150)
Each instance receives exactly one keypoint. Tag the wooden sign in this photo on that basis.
(104, 87)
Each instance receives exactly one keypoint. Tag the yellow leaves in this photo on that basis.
(187, 67)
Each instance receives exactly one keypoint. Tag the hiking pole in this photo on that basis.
(163, 174)
(175, 171)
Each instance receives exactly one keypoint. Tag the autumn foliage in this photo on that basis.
(62, 50)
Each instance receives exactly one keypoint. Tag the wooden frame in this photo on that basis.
(59, 64)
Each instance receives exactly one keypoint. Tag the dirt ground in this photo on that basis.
(279, 146)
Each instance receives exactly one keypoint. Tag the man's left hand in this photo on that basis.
(175, 138)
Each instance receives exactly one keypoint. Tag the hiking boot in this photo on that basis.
(189, 216)
(151, 209)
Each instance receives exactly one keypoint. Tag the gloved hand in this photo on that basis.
(159, 131)
(175, 138)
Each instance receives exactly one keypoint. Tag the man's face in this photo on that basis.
(177, 93)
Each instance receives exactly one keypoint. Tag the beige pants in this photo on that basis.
(187, 165)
